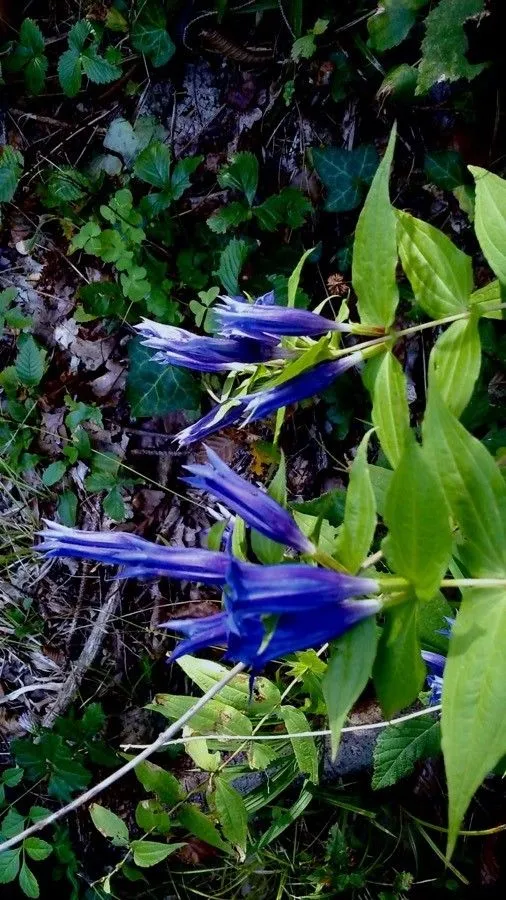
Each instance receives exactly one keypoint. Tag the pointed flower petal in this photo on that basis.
(214, 420)
(206, 632)
(138, 557)
(251, 503)
(260, 320)
(178, 347)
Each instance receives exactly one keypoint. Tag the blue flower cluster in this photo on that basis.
(250, 334)
(269, 611)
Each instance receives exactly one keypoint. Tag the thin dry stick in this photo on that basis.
(87, 657)
(129, 766)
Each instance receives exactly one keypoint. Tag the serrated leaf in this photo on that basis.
(304, 748)
(304, 47)
(474, 488)
(398, 670)
(490, 218)
(454, 363)
(9, 865)
(11, 166)
(390, 411)
(392, 22)
(155, 390)
(28, 882)
(98, 69)
(348, 671)
(441, 275)
(109, 824)
(232, 813)
(54, 473)
(232, 259)
(196, 822)
(206, 673)
(31, 36)
(70, 72)
(79, 33)
(345, 174)
(12, 823)
(180, 178)
(159, 782)
(35, 74)
(150, 36)
(29, 363)
(399, 747)
(228, 217)
(289, 207)
(445, 44)
(153, 165)
(419, 541)
(445, 168)
(150, 853)
(241, 174)
(359, 522)
(474, 697)
(375, 249)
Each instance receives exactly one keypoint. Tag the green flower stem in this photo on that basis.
(473, 582)
(327, 561)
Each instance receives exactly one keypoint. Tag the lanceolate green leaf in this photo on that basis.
(441, 275)
(399, 747)
(360, 513)
(474, 699)
(490, 219)
(375, 250)
(473, 486)
(390, 411)
(206, 673)
(232, 813)
(419, 542)
(398, 669)
(454, 363)
(349, 669)
(304, 748)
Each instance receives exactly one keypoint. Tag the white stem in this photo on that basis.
(160, 742)
(325, 732)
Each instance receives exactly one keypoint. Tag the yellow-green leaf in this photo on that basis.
(454, 363)
(390, 411)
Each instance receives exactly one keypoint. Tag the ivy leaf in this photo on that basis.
(345, 174)
(392, 22)
(149, 35)
(29, 363)
(11, 166)
(241, 174)
(70, 72)
(155, 390)
(232, 260)
(399, 747)
(445, 168)
(229, 217)
(445, 44)
(153, 165)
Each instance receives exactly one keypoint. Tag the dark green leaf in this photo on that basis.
(70, 72)
(399, 747)
(12, 823)
(345, 174)
(54, 473)
(445, 168)
(159, 782)
(36, 848)
(228, 217)
(11, 166)
(232, 813)
(392, 22)
(149, 35)
(98, 69)
(232, 260)
(180, 178)
(30, 362)
(67, 508)
(153, 165)
(242, 174)
(197, 823)
(113, 504)
(28, 882)
(9, 865)
(155, 390)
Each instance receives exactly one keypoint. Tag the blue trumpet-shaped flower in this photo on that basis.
(302, 619)
(251, 503)
(435, 665)
(138, 557)
(307, 384)
(268, 321)
(178, 347)
(255, 406)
